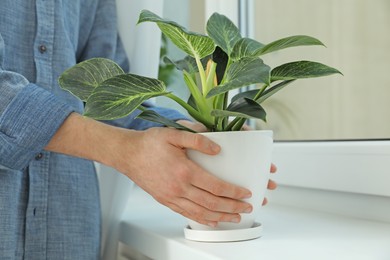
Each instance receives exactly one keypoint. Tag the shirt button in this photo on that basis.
(39, 156)
(42, 48)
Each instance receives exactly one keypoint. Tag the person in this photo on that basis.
(49, 198)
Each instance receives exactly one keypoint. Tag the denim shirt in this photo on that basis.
(49, 202)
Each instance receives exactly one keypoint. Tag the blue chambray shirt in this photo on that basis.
(49, 202)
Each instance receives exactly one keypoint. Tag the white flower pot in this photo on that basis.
(245, 160)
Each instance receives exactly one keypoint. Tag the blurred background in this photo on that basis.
(353, 106)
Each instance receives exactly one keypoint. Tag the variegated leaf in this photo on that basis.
(194, 44)
(244, 72)
(244, 108)
(288, 42)
(301, 70)
(246, 47)
(119, 96)
(84, 77)
(223, 31)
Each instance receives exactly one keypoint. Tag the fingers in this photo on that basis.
(215, 200)
(195, 142)
(218, 187)
(273, 168)
(218, 203)
(209, 200)
(204, 207)
(272, 185)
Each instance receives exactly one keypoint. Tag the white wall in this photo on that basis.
(142, 42)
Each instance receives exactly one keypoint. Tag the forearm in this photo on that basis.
(86, 138)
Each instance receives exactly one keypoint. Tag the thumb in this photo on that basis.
(196, 142)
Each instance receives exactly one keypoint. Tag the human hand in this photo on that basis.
(156, 161)
(198, 127)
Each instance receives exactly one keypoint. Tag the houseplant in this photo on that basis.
(215, 64)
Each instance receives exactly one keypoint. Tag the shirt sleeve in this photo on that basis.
(29, 117)
(28, 123)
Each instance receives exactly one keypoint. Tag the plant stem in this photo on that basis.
(193, 112)
(231, 125)
(211, 75)
(258, 95)
(238, 126)
(218, 104)
(200, 101)
(202, 75)
(221, 103)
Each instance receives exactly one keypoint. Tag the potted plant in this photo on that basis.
(216, 64)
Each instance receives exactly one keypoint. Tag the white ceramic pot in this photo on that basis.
(245, 160)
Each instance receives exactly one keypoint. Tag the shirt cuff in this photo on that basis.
(28, 124)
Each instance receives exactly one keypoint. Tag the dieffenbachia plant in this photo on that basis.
(215, 64)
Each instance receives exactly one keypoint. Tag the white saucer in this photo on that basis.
(223, 235)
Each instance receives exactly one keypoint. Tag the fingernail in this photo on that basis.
(235, 220)
(248, 210)
(215, 148)
(247, 195)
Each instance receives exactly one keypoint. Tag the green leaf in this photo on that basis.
(119, 96)
(244, 72)
(192, 103)
(152, 116)
(84, 77)
(188, 63)
(246, 94)
(246, 47)
(223, 31)
(288, 42)
(244, 108)
(194, 44)
(271, 91)
(196, 95)
(301, 69)
(251, 94)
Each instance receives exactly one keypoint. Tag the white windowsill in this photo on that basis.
(289, 233)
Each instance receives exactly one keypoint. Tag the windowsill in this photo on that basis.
(289, 233)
